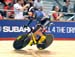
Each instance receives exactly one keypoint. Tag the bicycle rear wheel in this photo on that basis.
(46, 43)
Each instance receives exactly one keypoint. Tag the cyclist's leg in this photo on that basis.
(42, 38)
(36, 28)
(38, 31)
(44, 23)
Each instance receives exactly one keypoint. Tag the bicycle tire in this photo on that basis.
(46, 43)
(21, 43)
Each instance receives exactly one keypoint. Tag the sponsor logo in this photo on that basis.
(16, 29)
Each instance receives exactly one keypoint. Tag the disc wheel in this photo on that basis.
(46, 43)
(21, 42)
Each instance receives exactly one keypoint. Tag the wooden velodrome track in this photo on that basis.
(59, 48)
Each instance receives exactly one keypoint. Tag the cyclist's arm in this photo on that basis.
(30, 21)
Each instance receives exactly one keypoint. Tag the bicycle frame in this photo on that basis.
(33, 39)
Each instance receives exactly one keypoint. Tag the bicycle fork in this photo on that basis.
(33, 40)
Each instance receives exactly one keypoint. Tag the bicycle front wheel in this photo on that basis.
(21, 42)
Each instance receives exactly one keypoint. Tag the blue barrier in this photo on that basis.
(14, 28)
